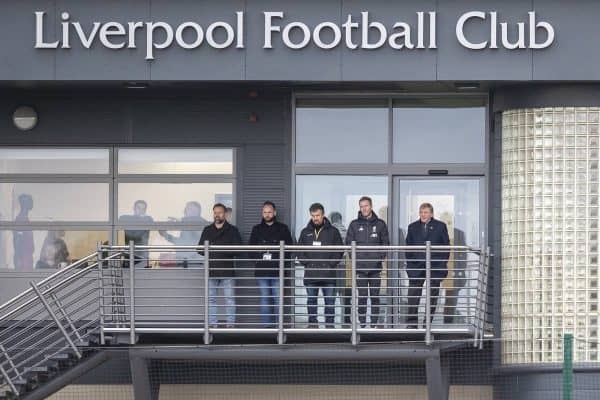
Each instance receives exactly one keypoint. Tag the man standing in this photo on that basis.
(268, 233)
(138, 236)
(425, 229)
(221, 264)
(320, 266)
(368, 230)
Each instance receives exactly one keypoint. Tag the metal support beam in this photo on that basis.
(438, 385)
(140, 378)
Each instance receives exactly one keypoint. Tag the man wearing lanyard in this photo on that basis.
(320, 266)
(268, 233)
(425, 229)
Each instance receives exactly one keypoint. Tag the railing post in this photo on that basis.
(9, 381)
(280, 336)
(132, 292)
(568, 366)
(428, 292)
(486, 267)
(354, 311)
(64, 313)
(101, 289)
(478, 301)
(56, 320)
(206, 293)
(10, 361)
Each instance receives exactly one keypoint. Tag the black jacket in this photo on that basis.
(269, 235)
(437, 233)
(227, 235)
(320, 264)
(368, 232)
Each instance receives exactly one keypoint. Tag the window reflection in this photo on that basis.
(28, 250)
(28, 202)
(164, 201)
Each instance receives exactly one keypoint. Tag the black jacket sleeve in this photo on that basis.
(350, 234)
(337, 241)
(203, 238)
(253, 241)
(409, 242)
(385, 239)
(445, 242)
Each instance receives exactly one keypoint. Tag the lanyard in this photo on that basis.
(317, 233)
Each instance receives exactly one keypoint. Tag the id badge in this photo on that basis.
(315, 243)
(267, 256)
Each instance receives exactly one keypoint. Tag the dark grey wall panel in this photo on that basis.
(455, 62)
(100, 63)
(180, 64)
(68, 120)
(280, 62)
(386, 63)
(574, 54)
(546, 95)
(19, 60)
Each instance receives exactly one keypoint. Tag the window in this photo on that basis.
(342, 134)
(57, 204)
(434, 132)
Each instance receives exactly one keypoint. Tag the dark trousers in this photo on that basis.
(416, 281)
(369, 285)
(312, 290)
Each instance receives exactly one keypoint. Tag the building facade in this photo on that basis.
(487, 109)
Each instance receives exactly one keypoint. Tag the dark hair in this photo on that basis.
(270, 203)
(335, 217)
(140, 202)
(220, 205)
(366, 198)
(426, 205)
(62, 253)
(316, 207)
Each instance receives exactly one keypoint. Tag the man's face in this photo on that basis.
(317, 217)
(219, 215)
(268, 213)
(365, 208)
(139, 209)
(425, 214)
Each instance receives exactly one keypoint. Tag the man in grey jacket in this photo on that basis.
(368, 230)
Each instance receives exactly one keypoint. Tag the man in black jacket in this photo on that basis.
(268, 233)
(425, 229)
(221, 264)
(320, 266)
(368, 230)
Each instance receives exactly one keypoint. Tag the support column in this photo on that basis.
(438, 383)
(140, 378)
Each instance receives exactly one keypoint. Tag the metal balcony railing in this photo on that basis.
(268, 290)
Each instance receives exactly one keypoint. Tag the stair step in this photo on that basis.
(58, 357)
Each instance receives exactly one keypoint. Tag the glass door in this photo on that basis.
(458, 202)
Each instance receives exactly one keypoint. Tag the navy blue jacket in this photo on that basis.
(437, 233)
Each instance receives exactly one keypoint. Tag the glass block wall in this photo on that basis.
(549, 233)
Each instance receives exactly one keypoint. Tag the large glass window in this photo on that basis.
(434, 132)
(33, 201)
(23, 249)
(176, 161)
(342, 134)
(54, 161)
(339, 195)
(171, 202)
(51, 214)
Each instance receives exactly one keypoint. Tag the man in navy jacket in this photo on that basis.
(425, 229)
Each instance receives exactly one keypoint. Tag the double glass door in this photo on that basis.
(458, 202)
